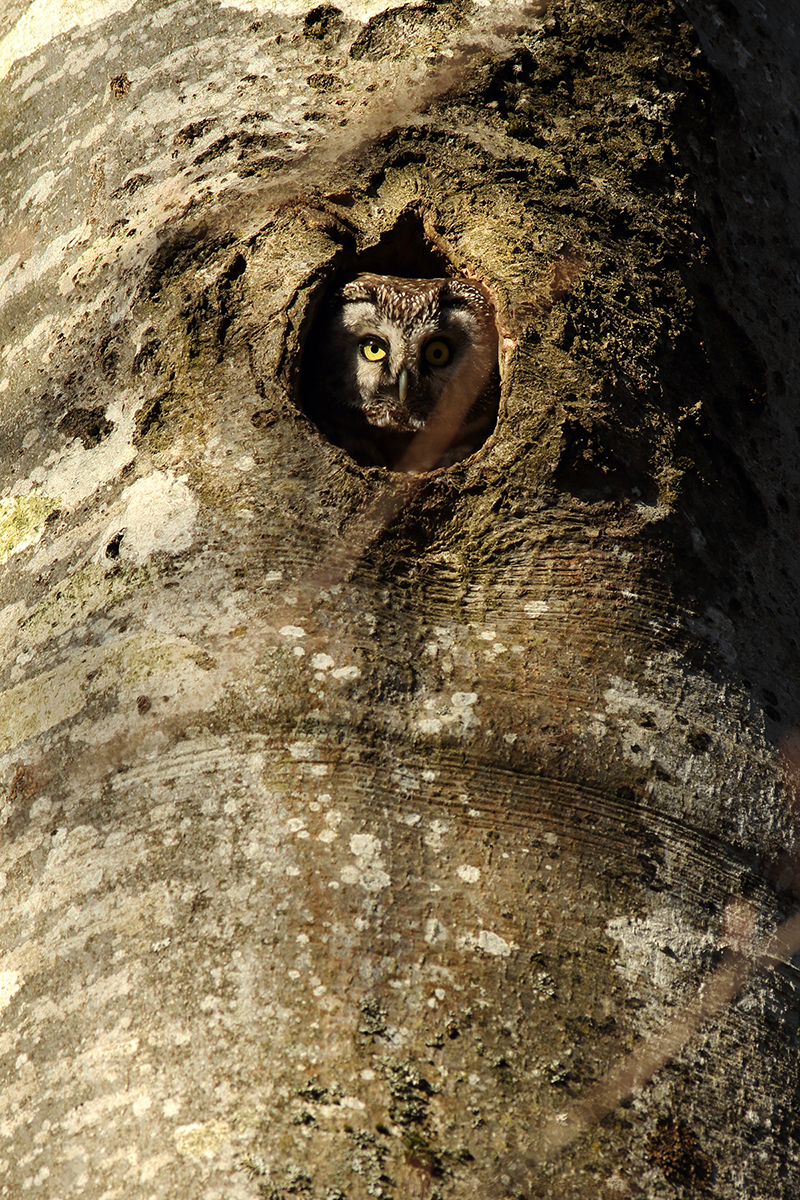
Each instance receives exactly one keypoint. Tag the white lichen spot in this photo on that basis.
(10, 983)
(141, 1105)
(492, 943)
(435, 835)
(468, 874)
(488, 635)
(273, 577)
(305, 751)
(365, 845)
(536, 608)
(412, 819)
(292, 631)
(405, 779)
(332, 820)
(434, 932)
(295, 824)
(369, 870)
(201, 1140)
(322, 662)
(443, 713)
(159, 516)
(429, 776)
(488, 942)
(597, 726)
(618, 1185)
(659, 950)
(298, 651)
(346, 673)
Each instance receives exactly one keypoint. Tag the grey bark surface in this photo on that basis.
(355, 825)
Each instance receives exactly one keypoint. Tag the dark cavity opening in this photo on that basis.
(399, 358)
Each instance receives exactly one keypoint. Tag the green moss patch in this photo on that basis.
(22, 521)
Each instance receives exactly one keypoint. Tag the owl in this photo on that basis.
(403, 373)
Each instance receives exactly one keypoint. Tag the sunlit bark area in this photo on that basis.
(428, 831)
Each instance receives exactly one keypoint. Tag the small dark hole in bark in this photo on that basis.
(119, 86)
(698, 740)
(263, 419)
(237, 267)
(112, 549)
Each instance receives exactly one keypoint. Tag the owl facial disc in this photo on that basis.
(392, 359)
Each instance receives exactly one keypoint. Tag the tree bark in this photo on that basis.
(380, 834)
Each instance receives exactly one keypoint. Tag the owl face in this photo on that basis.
(390, 357)
(396, 346)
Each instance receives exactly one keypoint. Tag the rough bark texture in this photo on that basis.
(355, 823)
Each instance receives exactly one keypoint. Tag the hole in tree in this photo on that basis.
(399, 358)
(112, 549)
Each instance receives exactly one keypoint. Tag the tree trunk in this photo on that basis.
(383, 834)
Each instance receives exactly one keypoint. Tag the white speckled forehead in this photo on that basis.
(433, 302)
(359, 317)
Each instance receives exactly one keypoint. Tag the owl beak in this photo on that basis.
(402, 384)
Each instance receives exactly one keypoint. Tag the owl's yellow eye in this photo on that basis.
(437, 353)
(373, 350)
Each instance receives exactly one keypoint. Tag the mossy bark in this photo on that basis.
(356, 823)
